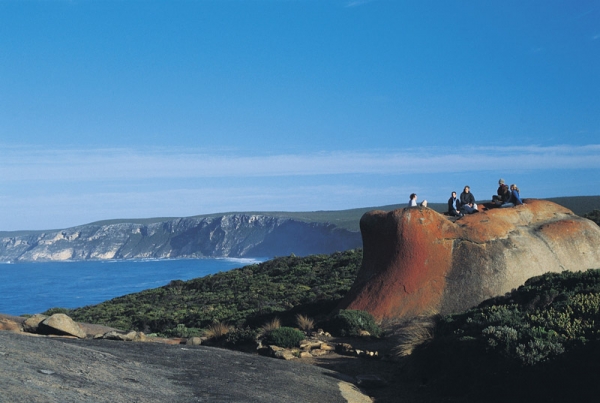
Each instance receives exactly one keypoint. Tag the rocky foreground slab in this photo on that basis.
(66, 369)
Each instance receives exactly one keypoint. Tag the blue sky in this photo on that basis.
(134, 109)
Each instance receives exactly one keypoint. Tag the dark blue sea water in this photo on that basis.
(36, 287)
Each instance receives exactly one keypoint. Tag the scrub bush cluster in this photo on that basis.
(547, 316)
(349, 322)
(283, 287)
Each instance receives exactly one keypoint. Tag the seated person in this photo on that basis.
(412, 201)
(503, 194)
(467, 201)
(515, 195)
(454, 206)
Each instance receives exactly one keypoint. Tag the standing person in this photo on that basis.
(467, 201)
(412, 201)
(454, 206)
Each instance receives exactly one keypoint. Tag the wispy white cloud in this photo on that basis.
(43, 189)
(26, 164)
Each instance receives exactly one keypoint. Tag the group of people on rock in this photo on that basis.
(465, 204)
(507, 196)
(458, 207)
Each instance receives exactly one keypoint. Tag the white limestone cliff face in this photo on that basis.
(233, 235)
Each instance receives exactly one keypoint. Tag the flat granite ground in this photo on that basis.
(62, 370)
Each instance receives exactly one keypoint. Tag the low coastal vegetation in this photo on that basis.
(546, 317)
(243, 298)
(540, 342)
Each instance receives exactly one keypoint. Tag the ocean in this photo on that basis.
(29, 288)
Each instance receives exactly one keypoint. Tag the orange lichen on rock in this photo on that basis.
(406, 257)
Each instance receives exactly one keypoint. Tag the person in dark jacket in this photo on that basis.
(454, 206)
(503, 194)
(467, 201)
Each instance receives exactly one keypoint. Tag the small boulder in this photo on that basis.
(193, 341)
(317, 352)
(327, 347)
(134, 336)
(284, 354)
(130, 336)
(31, 324)
(275, 351)
(344, 349)
(94, 331)
(62, 325)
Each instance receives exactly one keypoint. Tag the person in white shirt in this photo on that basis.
(412, 202)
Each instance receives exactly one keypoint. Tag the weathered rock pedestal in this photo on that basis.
(417, 262)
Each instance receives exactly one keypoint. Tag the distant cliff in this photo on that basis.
(229, 235)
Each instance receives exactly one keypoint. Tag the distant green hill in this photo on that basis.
(349, 219)
(578, 204)
(346, 219)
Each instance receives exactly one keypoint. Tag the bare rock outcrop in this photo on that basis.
(30, 325)
(417, 261)
(124, 336)
(61, 324)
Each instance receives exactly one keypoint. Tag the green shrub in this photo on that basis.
(286, 337)
(349, 322)
(549, 315)
(182, 331)
(241, 336)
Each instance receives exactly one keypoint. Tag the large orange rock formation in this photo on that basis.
(417, 261)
